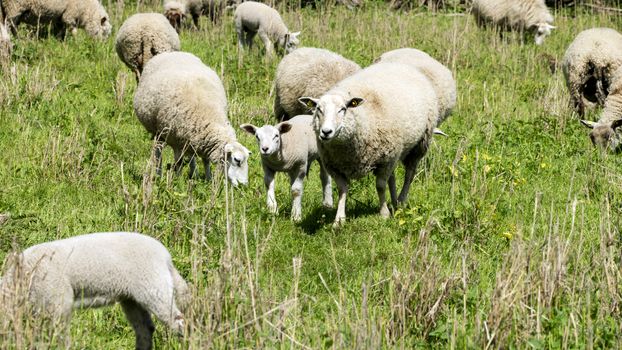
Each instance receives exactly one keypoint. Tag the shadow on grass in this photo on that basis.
(321, 217)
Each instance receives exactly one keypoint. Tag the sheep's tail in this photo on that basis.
(182, 292)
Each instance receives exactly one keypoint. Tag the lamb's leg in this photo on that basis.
(410, 163)
(141, 321)
(157, 155)
(250, 36)
(268, 180)
(267, 43)
(393, 190)
(327, 188)
(208, 170)
(342, 187)
(381, 188)
(296, 179)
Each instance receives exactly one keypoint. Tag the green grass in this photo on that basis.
(510, 239)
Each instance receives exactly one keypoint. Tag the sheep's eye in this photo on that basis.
(275, 137)
(257, 137)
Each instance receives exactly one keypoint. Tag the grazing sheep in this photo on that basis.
(607, 132)
(182, 103)
(61, 14)
(307, 72)
(370, 121)
(252, 18)
(440, 76)
(175, 12)
(143, 36)
(289, 147)
(522, 15)
(589, 64)
(100, 269)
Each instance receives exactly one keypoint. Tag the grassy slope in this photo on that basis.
(511, 235)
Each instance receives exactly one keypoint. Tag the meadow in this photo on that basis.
(510, 239)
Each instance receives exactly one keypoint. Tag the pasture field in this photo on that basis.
(511, 238)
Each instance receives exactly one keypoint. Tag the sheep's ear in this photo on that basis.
(438, 131)
(309, 102)
(284, 127)
(228, 148)
(616, 124)
(294, 35)
(587, 123)
(249, 128)
(355, 102)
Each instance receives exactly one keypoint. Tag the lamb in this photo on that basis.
(307, 72)
(289, 147)
(371, 120)
(440, 76)
(607, 132)
(522, 15)
(589, 64)
(61, 14)
(143, 36)
(100, 269)
(252, 18)
(182, 103)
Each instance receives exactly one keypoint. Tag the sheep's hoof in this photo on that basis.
(339, 222)
(273, 209)
(296, 218)
(327, 204)
(385, 213)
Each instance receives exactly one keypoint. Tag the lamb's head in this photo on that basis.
(175, 12)
(607, 136)
(236, 159)
(290, 42)
(542, 30)
(268, 136)
(97, 22)
(329, 114)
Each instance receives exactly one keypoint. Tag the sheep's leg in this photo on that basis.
(208, 170)
(192, 165)
(342, 187)
(179, 160)
(327, 188)
(141, 321)
(410, 163)
(250, 36)
(267, 43)
(241, 37)
(58, 29)
(393, 190)
(195, 20)
(296, 179)
(381, 188)
(157, 155)
(268, 180)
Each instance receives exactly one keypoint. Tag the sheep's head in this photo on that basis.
(607, 136)
(236, 157)
(329, 113)
(98, 25)
(542, 31)
(268, 136)
(291, 42)
(175, 12)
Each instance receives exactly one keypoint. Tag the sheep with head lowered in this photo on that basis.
(307, 71)
(182, 103)
(370, 121)
(96, 270)
(521, 15)
(290, 147)
(589, 64)
(607, 131)
(252, 18)
(61, 14)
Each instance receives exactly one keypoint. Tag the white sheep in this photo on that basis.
(370, 121)
(290, 147)
(440, 76)
(521, 15)
(62, 14)
(589, 64)
(101, 269)
(607, 132)
(307, 71)
(143, 36)
(182, 103)
(252, 18)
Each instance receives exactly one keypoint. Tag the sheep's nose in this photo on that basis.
(237, 161)
(264, 149)
(326, 132)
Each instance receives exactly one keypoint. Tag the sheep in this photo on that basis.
(143, 36)
(289, 147)
(100, 269)
(61, 14)
(522, 15)
(440, 76)
(252, 18)
(607, 132)
(175, 12)
(371, 120)
(589, 64)
(182, 103)
(307, 72)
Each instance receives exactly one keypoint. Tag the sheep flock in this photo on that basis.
(354, 119)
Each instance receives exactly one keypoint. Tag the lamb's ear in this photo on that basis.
(438, 131)
(588, 123)
(249, 128)
(284, 127)
(355, 102)
(309, 102)
(616, 124)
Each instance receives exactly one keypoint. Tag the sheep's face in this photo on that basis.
(542, 31)
(175, 17)
(291, 42)
(236, 157)
(99, 24)
(329, 113)
(268, 136)
(607, 136)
